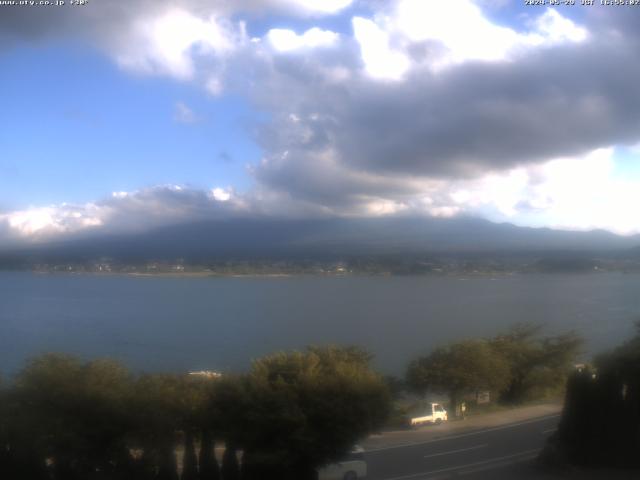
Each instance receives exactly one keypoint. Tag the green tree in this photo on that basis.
(158, 403)
(194, 398)
(537, 364)
(304, 410)
(5, 444)
(458, 369)
(75, 413)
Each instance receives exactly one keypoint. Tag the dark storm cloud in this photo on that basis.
(471, 118)
(484, 116)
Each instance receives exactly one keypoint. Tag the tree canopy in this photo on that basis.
(600, 423)
(63, 418)
(516, 365)
(309, 408)
(460, 368)
(537, 363)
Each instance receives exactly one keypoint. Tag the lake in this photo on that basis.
(220, 323)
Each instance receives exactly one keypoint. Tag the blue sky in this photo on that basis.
(160, 112)
(76, 128)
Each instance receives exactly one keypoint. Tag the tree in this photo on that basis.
(458, 369)
(158, 403)
(192, 421)
(207, 463)
(535, 362)
(74, 413)
(230, 467)
(600, 423)
(302, 410)
(190, 459)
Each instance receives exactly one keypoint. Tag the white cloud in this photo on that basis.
(183, 114)
(576, 193)
(284, 40)
(458, 24)
(555, 28)
(168, 43)
(316, 6)
(214, 86)
(51, 220)
(221, 195)
(121, 213)
(581, 193)
(451, 32)
(380, 60)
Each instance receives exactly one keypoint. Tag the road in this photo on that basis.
(503, 451)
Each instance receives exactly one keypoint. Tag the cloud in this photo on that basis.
(317, 6)
(284, 40)
(169, 42)
(380, 129)
(183, 114)
(554, 194)
(427, 107)
(380, 60)
(442, 34)
(221, 195)
(156, 37)
(547, 194)
(52, 220)
(123, 212)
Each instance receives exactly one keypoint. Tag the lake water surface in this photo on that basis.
(177, 324)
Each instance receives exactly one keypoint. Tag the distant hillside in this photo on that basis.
(254, 238)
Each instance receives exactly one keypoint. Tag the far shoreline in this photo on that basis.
(210, 274)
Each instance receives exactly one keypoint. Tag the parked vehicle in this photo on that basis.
(432, 413)
(352, 467)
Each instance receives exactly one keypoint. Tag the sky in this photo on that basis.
(123, 116)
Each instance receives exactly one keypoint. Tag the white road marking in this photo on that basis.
(549, 430)
(493, 466)
(456, 451)
(474, 464)
(462, 435)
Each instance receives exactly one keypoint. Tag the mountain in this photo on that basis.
(260, 238)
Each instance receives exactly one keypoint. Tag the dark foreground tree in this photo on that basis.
(207, 462)
(75, 414)
(21, 454)
(458, 369)
(304, 410)
(189, 459)
(194, 417)
(159, 413)
(600, 424)
(230, 465)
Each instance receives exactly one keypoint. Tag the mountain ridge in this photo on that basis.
(264, 237)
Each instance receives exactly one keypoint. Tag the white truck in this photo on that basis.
(431, 413)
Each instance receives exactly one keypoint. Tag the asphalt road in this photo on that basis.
(497, 452)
